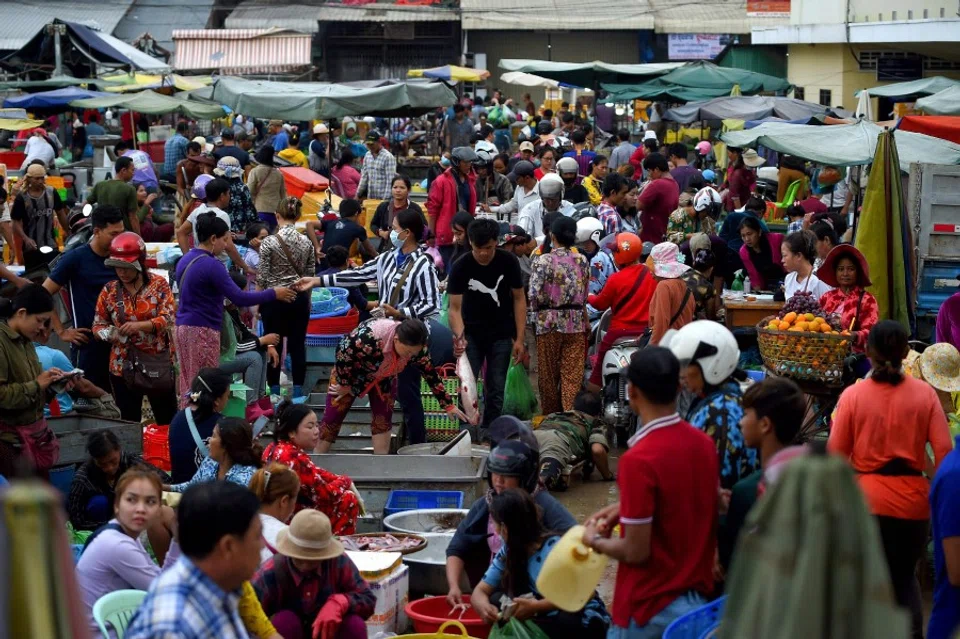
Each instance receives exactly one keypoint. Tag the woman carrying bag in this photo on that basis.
(286, 257)
(134, 313)
(267, 187)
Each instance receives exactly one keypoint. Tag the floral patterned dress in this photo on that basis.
(559, 286)
(367, 363)
(241, 210)
(325, 491)
(861, 315)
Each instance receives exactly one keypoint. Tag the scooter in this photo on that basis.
(616, 405)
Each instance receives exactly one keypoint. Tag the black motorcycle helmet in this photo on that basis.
(514, 459)
(544, 127)
(508, 427)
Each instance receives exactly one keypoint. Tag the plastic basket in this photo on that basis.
(439, 426)
(323, 340)
(697, 622)
(340, 325)
(335, 303)
(803, 355)
(401, 500)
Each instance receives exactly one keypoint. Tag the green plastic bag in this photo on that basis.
(519, 396)
(514, 629)
(444, 317)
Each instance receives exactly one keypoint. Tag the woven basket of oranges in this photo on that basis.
(804, 346)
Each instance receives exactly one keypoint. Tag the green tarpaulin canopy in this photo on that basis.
(843, 144)
(154, 103)
(746, 107)
(707, 81)
(946, 102)
(913, 89)
(321, 101)
(56, 82)
(587, 74)
(659, 90)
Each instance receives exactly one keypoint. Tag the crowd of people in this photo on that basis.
(515, 259)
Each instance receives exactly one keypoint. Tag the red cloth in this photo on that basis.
(634, 314)
(636, 161)
(757, 281)
(443, 203)
(658, 200)
(813, 205)
(669, 479)
(945, 127)
(836, 301)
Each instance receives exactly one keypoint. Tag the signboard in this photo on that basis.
(696, 46)
(899, 69)
(768, 8)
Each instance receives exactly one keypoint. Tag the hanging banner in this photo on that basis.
(696, 46)
(768, 8)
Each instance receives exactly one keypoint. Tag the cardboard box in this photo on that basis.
(393, 594)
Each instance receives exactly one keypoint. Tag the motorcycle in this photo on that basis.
(616, 404)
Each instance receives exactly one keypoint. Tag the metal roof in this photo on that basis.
(242, 50)
(305, 17)
(22, 19)
(556, 14)
(159, 19)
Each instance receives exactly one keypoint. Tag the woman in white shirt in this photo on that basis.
(277, 486)
(799, 250)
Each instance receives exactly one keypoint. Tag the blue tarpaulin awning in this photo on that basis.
(51, 99)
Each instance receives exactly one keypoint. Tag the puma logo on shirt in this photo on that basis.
(474, 285)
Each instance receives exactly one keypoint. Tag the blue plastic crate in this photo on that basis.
(696, 623)
(337, 304)
(323, 340)
(401, 500)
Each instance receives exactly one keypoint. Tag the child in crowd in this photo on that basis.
(795, 214)
(338, 260)
(773, 412)
(255, 235)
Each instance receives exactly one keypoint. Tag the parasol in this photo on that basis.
(450, 73)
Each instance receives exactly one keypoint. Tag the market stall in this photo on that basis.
(698, 81)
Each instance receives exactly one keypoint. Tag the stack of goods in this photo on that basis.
(331, 317)
(803, 342)
(389, 580)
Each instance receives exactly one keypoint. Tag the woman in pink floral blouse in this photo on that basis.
(558, 296)
(368, 361)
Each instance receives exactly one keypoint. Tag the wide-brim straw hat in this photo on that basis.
(309, 537)
(940, 366)
(827, 273)
(752, 159)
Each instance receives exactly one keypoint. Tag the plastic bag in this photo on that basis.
(514, 629)
(444, 317)
(519, 396)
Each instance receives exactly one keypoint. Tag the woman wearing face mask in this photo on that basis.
(382, 223)
(24, 387)
(113, 558)
(276, 486)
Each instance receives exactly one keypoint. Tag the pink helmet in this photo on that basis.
(703, 147)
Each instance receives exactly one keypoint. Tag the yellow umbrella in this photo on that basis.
(19, 124)
(450, 73)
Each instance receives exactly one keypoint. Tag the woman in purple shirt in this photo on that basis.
(114, 559)
(204, 282)
(948, 320)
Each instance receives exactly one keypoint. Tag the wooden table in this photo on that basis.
(741, 313)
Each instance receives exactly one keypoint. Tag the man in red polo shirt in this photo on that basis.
(667, 511)
(658, 199)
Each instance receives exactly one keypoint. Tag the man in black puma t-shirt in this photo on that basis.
(488, 310)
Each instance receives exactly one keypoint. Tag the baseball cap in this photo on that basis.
(35, 171)
(523, 169)
(526, 146)
(372, 136)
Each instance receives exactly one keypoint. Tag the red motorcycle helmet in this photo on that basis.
(128, 247)
(627, 249)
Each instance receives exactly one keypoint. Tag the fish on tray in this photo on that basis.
(468, 390)
(379, 543)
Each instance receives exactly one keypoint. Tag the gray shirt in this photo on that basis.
(460, 133)
(621, 155)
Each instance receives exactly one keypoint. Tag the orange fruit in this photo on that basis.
(794, 329)
(802, 326)
(825, 328)
(809, 316)
(821, 320)
(790, 317)
(774, 325)
(784, 326)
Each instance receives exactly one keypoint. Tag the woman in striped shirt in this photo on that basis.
(408, 286)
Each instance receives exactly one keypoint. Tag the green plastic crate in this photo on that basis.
(439, 426)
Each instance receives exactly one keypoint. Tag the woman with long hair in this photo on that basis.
(827, 239)
(232, 456)
(294, 438)
(277, 487)
(516, 566)
(113, 557)
(882, 426)
(135, 313)
(761, 254)
(285, 258)
(799, 250)
(548, 162)
(344, 172)
(267, 186)
(558, 295)
(24, 387)
(388, 210)
(193, 426)
(204, 283)
(741, 176)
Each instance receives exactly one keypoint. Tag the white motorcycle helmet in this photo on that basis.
(485, 156)
(708, 344)
(707, 199)
(589, 228)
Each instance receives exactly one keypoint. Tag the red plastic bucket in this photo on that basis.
(156, 446)
(430, 613)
